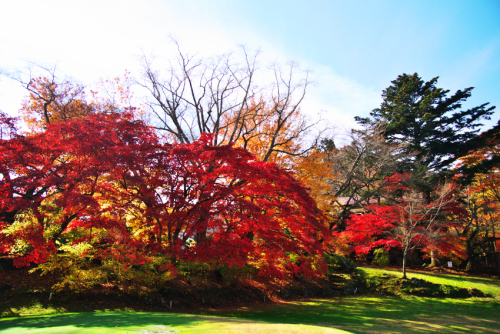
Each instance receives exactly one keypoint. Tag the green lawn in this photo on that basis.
(487, 285)
(383, 314)
(148, 322)
(346, 314)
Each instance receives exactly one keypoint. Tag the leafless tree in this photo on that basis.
(219, 95)
(360, 171)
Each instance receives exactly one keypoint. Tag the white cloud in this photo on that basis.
(340, 98)
(92, 39)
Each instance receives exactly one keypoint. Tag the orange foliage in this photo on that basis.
(261, 132)
(315, 171)
(268, 138)
(50, 101)
(483, 201)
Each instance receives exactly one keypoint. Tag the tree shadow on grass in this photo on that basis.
(97, 322)
(151, 323)
(21, 303)
(355, 314)
(382, 314)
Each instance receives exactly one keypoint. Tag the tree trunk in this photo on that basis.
(404, 263)
(433, 259)
(471, 264)
(495, 250)
(471, 260)
(497, 259)
(201, 236)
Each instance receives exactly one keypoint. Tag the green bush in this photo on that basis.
(196, 271)
(338, 263)
(232, 274)
(381, 257)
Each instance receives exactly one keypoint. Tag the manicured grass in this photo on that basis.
(146, 322)
(351, 314)
(384, 314)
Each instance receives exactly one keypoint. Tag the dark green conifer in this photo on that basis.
(432, 123)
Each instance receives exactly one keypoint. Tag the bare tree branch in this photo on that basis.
(219, 95)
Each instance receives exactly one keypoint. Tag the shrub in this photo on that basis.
(381, 257)
(338, 263)
(233, 274)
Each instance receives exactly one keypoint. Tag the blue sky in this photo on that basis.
(352, 48)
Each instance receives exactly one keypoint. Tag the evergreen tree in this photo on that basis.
(433, 125)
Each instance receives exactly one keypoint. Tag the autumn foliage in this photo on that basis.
(407, 222)
(92, 185)
(107, 185)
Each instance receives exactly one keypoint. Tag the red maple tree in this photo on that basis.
(107, 181)
(408, 222)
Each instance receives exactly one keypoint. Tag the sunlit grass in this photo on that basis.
(146, 322)
(487, 285)
(352, 314)
(383, 314)
(346, 314)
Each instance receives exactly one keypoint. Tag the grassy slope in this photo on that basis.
(354, 314)
(486, 285)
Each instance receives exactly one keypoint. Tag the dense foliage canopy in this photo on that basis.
(232, 179)
(106, 184)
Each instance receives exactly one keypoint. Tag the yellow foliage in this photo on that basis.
(315, 170)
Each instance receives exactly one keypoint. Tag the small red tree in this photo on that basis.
(409, 223)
